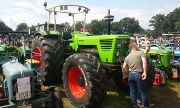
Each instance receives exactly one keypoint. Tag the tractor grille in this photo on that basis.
(106, 45)
(123, 42)
(122, 45)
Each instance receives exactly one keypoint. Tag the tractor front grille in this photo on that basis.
(122, 42)
(106, 44)
(122, 46)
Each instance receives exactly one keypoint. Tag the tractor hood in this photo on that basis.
(110, 48)
(161, 52)
(12, 69)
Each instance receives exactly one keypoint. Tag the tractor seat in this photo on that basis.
(33, 61)
(66, 35)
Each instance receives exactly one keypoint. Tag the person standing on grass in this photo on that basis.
(136, 63)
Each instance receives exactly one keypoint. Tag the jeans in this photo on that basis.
(136, 84)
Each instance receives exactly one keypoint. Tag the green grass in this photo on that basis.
(159, 97)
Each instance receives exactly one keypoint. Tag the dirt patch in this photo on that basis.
(166, 97)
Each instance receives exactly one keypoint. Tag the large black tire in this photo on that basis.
(121, 83)
(52, 58)
(84, 71)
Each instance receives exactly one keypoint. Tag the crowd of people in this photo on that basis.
(14, 40)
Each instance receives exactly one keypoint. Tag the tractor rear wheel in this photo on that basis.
(84, 80)
(45, 50)
(121, 83)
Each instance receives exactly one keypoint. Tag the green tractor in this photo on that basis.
(163, 61)
(84, 62)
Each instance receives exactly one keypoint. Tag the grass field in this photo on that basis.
(159, 97)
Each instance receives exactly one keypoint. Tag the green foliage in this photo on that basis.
(4, 27)
(79, 25)
(97, 27)
(129, 25)
(158, 22)
(125, 26)
(68, 28)
(22, 27)
(166, 23)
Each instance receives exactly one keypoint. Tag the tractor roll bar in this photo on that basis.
(63, 9)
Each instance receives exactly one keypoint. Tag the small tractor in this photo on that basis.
(83, 62)
(20, 83)
(163, 61)
(176, 66)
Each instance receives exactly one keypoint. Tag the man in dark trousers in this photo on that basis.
(136, 63)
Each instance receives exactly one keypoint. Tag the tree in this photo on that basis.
(165, 24)
(177, 26)
(172, 20)
(78, 25)
(68, 27)
(129, 26)
(4, 27)
(116, 28)
(22, 27)
(97, 27)
(158, 22)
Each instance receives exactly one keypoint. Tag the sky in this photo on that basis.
(32, 12)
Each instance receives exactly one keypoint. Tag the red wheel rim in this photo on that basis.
(76, 82)
(37, 55)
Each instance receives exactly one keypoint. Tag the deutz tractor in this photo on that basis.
(163, 61)
(85, 62)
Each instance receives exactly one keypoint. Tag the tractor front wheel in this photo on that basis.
(84, 80)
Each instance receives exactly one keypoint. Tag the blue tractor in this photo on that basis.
(176, 65)
(21, 83)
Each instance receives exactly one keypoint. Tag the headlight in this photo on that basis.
(119, 45)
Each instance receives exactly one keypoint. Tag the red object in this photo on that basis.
(125, 81)
(45, 4)
(74, 75)
(158, 79)
(2, 93)
(38, 56)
